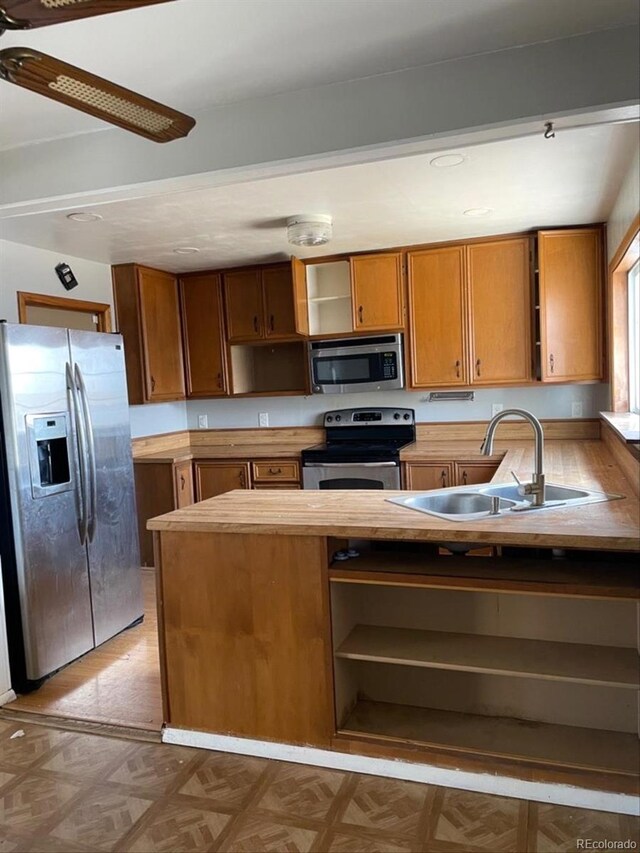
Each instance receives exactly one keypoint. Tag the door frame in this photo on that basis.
(40, 300)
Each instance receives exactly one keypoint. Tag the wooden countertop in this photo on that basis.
(612, 525)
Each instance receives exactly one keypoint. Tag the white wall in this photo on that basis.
(32, 270)
(626, 206)
(545, 402)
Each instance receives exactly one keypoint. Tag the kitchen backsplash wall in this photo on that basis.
(548, 402)
(156, 418)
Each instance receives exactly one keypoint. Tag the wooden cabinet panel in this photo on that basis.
(500, 306)
(215, 478)
(436, 318)
(570, 279)
(425, 476)
(148, 314)
(377, 292)
(161, 335)
(470, 473)
(201, 299)
(282, 318)
(244, 308)
(183, 479)
(276, 469)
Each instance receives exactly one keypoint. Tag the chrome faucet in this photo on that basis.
(536, 486)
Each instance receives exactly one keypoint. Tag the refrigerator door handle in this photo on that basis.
(82, 458)
(91, 449)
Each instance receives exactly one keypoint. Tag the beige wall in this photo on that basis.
(626, 205)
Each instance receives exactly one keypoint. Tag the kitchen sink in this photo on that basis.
(474, 503)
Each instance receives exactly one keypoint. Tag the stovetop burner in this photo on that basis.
(363, 435)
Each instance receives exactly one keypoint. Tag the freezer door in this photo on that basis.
(41, 457)
(112, 531)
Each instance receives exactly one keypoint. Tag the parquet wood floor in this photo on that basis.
(69, 791)
(117, 684)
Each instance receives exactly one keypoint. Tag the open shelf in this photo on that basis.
(611, 577)
(329, 298)
(529, 742)
(587, 664)
(268, 368)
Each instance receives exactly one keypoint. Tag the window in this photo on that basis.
(633, 289)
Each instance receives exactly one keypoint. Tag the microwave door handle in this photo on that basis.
(350, 465)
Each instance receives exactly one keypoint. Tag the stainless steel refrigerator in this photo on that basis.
(68, 531)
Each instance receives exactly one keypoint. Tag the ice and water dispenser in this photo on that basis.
(49, 441)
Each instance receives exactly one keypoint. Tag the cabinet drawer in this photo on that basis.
(276, 469)
(276, 485)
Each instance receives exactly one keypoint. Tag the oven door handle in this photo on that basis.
(350, 464)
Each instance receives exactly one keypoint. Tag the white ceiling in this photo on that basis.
(528, 183)
(198, 53)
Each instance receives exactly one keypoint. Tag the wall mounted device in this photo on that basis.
(66, 276)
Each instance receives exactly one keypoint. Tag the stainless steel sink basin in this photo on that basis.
(457, 505)
(473, 503)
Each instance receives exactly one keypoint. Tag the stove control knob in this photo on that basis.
(407, 416)
(338, 417)
(396, 416)
(329, 418)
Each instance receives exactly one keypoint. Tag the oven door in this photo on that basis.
(351, 475)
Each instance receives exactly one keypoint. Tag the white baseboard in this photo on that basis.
(7, 697)
(485, 783)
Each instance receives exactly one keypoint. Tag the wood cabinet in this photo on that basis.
(470, 314)
(425, 476)
(215, 478)
(203, 330)
(161, 487)
(147, 307)
(262, 304)
(437, 328)
(362, 293)
(376, 282)
(500, 311)
(570, 291)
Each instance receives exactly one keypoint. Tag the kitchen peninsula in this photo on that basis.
(521, 664)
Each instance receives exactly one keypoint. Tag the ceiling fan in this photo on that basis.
(77, 88)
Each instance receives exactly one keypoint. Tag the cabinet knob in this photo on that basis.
(552, 363)
(360, 314)
(478, 363)
(458, 369)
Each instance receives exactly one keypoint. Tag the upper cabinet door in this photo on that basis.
(377, 292)
(201, 298)
(436, 318)
(500, 306)
(283, 316)
(244, 309)
(570, 279)
(161, 335)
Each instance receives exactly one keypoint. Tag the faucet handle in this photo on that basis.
(516, 478)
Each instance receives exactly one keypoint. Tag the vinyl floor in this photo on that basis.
(116, 684)
(69, 791)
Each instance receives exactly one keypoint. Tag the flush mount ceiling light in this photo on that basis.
(314, 229)
(478, 211)
(446, 160)
(84, 216)
(186, 250)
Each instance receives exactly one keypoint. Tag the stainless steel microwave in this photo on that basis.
(356, 364)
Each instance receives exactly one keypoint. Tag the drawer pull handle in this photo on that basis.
(458, 369)
(464, 478)
(478, 363)
(255, 324)
(153, 384)
(361, 314)
(443, 477)
(243, 480)
(552, 363)
(183, 482)
(272, 323)
(275, 470)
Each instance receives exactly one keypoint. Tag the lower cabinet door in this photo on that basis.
(470, 473)
(424, 476)
(183, 479)
(215, 478)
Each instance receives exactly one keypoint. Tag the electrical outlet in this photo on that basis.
(495, 408)
(263, 419)
(576, 410)
(203, 421)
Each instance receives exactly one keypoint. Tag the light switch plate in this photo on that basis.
(263, 419)
(203, 422)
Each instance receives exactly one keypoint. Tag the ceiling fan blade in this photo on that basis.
(27, 14)
(91, 94)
